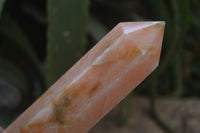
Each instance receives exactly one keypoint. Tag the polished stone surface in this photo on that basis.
(97, 82)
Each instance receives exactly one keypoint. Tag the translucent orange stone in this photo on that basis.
(97, 82)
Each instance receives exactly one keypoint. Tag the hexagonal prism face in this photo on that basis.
(141, 38)
(97, 82)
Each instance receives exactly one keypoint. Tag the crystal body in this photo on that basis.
(97, 82)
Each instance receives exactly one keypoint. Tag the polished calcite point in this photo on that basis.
(97, 82)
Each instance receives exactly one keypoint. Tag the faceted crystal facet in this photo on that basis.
(97, 82)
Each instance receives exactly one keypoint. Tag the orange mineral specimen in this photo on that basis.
(97, 82)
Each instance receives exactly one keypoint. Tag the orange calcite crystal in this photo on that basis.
(97, 82)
